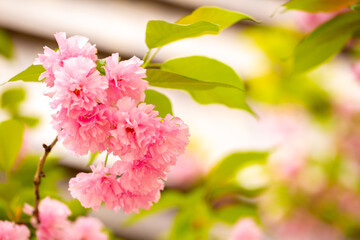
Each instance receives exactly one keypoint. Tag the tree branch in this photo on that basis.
(39, 174)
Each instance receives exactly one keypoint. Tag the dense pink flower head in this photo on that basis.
(125, 79)
(136, 129)
(86, 228)
(72, 47)
(12, 231)
(91, 189)
(78, 86)
(90, 131)
(246, 229)
(75, 46)
(172, 139)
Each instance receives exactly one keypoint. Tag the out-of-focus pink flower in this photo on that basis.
(187, 171)
(86, 228)
(125, 79)
(356, 70)
(72, 47)
(290, 133)
(53, 219)
(307, 22)
(78, 86)
(12, 231)
(303, 226)
(246, 229)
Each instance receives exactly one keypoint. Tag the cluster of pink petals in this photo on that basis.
(11, 231)
(106, 112)
(246, 229)
(54, 223)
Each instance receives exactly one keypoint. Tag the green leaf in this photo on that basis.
(6, 46)
(188, 225)
(11, 134)
(92, 157)
(319, 5)
(227, 168)
(222, 17)
(29, 121)
(203, 69)
(160, 33)
(231, 214)
(202, 92)
(168, 199)
(31, 74)
(100, 63)
(162, 103)
(11, 98)
(325, 41)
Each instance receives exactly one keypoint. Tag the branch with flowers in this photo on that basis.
(107, 106)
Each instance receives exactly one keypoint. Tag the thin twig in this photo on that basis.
(148, 61)
(39, 174)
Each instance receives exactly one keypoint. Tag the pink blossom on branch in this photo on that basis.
(125, 79)
(78, 86)
(72, 47)
(12, 231)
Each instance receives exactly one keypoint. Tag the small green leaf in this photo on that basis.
(202, 92)
(99, 66)
(160, 33)
(6, 46)
(319, 5)
(31, 74)
(92, 157)
(11, 98)
(29, 121)
(203, 69)
(227, 168)
(11, 134)
(231, 214)
(168, 199)
(162, 103)
(222, 17)
(325, 41)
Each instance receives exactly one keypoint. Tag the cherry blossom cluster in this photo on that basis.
(101, 108)
(54, 223)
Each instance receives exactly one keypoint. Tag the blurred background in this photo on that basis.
(303, 177)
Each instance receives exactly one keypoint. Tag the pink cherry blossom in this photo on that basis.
(246, 229)
(125, 79)
(86, 228)
(90, 131)
(12, 231)
(53, 216)
(91, 189)
(75, 46)
(72, 47)
(172, 139)
(136, 129)
(78, 86)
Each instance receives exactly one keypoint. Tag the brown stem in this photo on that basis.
(39, 174)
